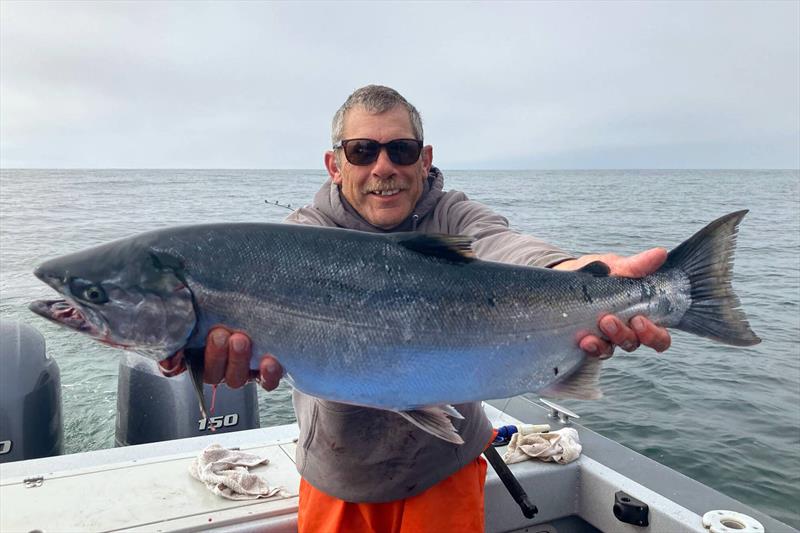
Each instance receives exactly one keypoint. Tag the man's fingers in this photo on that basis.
(597, 347)
(630, 336)
(640, 265)
(216, 355)
(238, 370)
(649, 334)
(270, 372)
(619, 333)
(172, 366)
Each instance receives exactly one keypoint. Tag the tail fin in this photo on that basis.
(707, 258)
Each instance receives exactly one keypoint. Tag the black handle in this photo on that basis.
(511, 483)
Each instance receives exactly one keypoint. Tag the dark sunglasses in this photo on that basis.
(366, 151)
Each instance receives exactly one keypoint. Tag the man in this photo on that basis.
(370, 470)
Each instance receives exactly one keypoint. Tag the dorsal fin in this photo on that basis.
(597, 269)
(456, 248)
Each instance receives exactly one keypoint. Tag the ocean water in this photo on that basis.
(728, 417)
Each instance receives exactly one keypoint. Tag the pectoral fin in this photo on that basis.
(451, 411)
(582, 384)
(435, 421)
(194, 359)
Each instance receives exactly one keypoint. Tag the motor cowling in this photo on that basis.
(152, 407)
(31, 423)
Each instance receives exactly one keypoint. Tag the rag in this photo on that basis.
(562, 446)
(225, 472)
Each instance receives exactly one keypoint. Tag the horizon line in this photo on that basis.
(444, 168)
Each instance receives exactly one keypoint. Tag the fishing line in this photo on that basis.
(505, 406)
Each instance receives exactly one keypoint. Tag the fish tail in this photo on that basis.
(707, 259)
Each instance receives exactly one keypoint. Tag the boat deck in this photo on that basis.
(148, 488)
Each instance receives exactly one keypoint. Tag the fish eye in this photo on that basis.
(88, 291)
(95, 294)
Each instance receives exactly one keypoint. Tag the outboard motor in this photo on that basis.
(31, 425)
(152, 408)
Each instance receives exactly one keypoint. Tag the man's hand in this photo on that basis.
(639, 330)
(228, 356)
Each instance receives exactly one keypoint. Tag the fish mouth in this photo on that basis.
(63, 313)
(67, 314)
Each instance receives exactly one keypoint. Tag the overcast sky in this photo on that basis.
(499, 85)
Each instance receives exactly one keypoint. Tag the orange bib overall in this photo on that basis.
(453, 504)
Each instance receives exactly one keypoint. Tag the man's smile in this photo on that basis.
(389, 192)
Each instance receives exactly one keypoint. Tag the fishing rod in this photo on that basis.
(511, 482)
(275, 203)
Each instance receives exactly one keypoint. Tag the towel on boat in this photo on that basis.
(225, 472)
(562, 446)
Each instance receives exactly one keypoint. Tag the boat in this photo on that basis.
(147, 486)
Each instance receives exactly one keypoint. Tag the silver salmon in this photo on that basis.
(406, 322)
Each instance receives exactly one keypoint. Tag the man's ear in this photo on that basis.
(427, 158)
(333, 167)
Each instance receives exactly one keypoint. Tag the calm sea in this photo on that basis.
(728, 417)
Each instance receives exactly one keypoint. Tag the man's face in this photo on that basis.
(382, 192)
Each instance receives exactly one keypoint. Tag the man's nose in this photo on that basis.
(383, 166)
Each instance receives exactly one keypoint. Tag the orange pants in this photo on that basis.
(453, 504)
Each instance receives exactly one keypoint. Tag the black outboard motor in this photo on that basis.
(31, 425)
(152, 408)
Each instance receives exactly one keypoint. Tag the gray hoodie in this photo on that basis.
(360, 454)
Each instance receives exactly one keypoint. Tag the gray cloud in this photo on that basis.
(500, 85)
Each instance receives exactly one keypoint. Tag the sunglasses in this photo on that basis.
(362, 152)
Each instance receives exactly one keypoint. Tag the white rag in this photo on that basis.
(562, 446)
(225, 472)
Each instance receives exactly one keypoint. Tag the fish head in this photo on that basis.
(124, 294)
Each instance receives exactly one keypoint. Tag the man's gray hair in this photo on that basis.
(374, 99)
